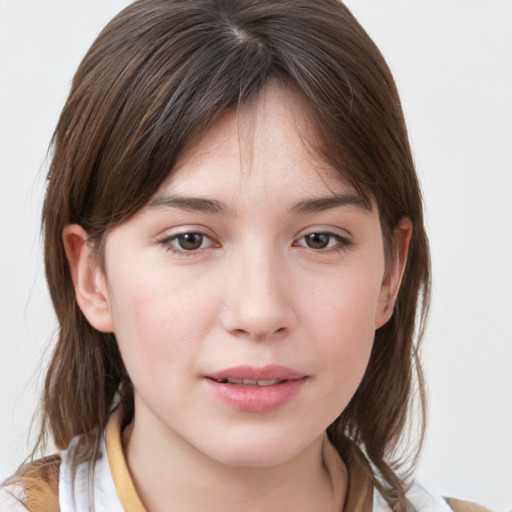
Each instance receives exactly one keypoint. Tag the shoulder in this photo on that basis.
(424, 500)
(363, 489)
(34, 487)
(465, 506)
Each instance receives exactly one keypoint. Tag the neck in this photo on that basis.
(171, 475)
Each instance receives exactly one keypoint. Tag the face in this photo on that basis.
(246, 295)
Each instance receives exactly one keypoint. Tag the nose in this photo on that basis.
(259, 303)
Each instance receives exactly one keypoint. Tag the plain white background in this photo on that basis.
(452, 60)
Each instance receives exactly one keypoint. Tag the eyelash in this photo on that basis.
(341, 244)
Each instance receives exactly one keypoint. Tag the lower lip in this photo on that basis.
(256, 398)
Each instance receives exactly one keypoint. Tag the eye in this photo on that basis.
(323, 241)
(187, 242)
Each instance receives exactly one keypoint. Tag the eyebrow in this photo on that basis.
(325, 203)
(194, 204)
(305, 206)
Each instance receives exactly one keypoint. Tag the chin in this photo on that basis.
(251, 458)
(257, 449)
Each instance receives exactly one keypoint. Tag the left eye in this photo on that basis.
(321, 241)
(188, 242)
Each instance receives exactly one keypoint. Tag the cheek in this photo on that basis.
(343, 318)
(160, 322)
(346, 305)
(349, 340)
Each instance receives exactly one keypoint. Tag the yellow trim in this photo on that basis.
(120, 473)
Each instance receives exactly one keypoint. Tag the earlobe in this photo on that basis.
(395, 271)
(88, 279)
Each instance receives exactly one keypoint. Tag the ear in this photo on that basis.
(88, 279)
(395, 271)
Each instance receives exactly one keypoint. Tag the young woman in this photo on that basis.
(235, 250)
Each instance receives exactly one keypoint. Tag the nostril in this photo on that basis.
(258, 335)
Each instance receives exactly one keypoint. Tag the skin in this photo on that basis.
(252, 289)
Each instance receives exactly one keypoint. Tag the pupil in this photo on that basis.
(190, 241)
(317, 240)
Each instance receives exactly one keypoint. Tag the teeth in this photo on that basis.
(246, 382)
(268, 382)
(235, 381)
(250, 382)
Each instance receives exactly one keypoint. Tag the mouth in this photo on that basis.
(250, 382)
(270, 375)
(256, 390)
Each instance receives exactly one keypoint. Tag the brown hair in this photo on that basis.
(164, 70)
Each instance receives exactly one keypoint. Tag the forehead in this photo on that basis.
(267, 146)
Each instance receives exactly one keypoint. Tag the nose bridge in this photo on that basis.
(259, 304)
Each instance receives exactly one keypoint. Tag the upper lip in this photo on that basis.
(270, 372)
